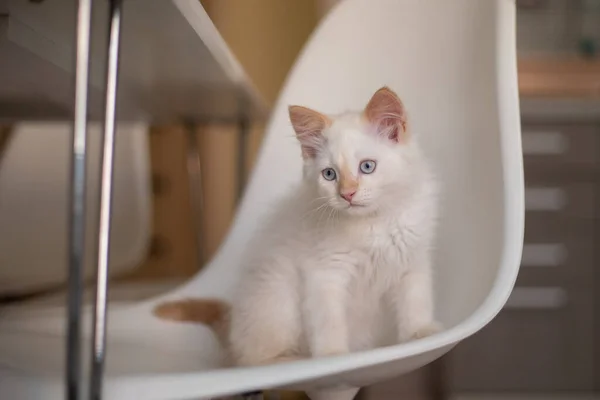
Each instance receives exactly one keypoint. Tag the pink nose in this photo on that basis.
(348, 196)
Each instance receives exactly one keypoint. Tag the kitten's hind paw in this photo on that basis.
(427, 330)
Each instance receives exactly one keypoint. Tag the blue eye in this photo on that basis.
(367, 166)
(329, 174)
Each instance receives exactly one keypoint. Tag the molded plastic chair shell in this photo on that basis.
(34, 193)
(454, 65)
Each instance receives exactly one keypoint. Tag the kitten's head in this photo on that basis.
(361, 163)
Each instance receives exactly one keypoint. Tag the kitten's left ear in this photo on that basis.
(386, 112)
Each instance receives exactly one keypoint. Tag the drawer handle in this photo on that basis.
(544, 255)
(545, 199)
(533, 298)
(540, 143)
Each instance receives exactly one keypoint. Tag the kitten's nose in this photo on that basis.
(348, 195)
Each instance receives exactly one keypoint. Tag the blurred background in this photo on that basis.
(545, 344)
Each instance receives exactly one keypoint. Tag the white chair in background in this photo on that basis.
(454, 65)
(34, 193)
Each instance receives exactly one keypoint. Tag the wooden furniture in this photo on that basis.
(559, 77)
(546, 338)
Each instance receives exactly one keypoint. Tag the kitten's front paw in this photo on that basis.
(427, 330)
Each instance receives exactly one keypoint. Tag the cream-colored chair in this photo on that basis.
(34, 193)
(454, 65)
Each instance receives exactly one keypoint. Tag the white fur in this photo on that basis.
(325, 278)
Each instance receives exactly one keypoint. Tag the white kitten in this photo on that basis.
(344, 264)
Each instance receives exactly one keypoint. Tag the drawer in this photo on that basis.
(557, 228)
(559, 232)
(566, 144)
(556, 264)
(557, 250)
(545, 194)
(541, 341)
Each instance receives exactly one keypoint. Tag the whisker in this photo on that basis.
(312, 211)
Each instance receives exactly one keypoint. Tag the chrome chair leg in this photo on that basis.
(77, 203)
(99, 321)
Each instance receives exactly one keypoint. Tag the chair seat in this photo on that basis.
(152, 360)
(454, 65)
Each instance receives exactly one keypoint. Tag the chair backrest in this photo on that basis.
(34, 198)
(454, 65)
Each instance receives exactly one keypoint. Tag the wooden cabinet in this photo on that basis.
(531, 346)
(546, 338)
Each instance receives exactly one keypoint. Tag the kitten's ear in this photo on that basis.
(309, 126)
(386, 112)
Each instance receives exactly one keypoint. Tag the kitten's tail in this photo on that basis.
(211, 312)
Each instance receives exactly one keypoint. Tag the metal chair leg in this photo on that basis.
(99, 327)
(77, 203)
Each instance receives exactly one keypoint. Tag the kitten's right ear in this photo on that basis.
(309, 125)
